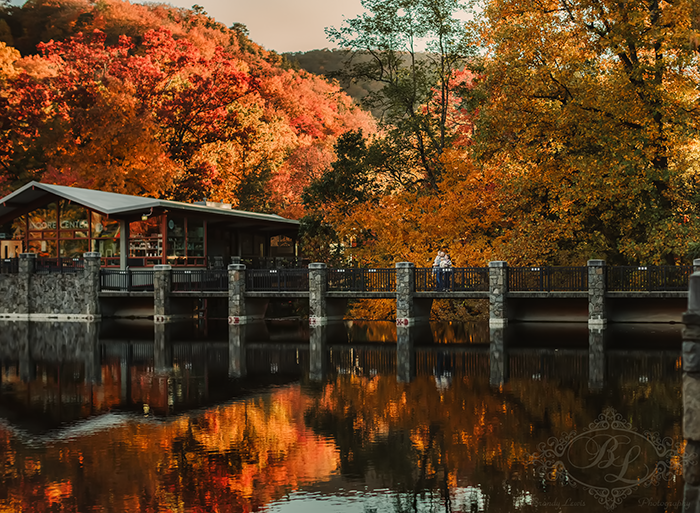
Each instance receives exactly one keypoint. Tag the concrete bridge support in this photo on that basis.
(691, 396)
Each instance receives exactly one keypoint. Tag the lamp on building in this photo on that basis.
(144, 217)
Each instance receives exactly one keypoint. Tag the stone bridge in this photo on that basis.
(594, 293)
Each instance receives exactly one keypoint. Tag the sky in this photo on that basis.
(281, 25)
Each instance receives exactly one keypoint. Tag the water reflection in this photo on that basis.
(244, 418)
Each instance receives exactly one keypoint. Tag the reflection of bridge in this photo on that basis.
(171, 373)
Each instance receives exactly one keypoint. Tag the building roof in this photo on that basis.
(118, 205)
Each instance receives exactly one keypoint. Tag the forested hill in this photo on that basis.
(327, 63)
(161, 101)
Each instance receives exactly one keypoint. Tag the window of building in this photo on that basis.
(145, 238)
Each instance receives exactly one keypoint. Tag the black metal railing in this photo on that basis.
(59, 265)
(456, 279)
(199, 280)
(9, 266)
(547, 279)
(362, 280)
(467, 279)
(648, 278)
(126, 280)
(292, 280)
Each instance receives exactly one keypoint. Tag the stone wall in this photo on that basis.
(70, 296)
(57, 294)
(13, 294)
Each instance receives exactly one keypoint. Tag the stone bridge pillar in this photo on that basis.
(498, 289)
(696, 265)
(236, 295)
(405, 288)
(596, 294)
(162, 286)
(318, 286)
(92, 285)
(405, 321)
(691, 395)
(27, 266)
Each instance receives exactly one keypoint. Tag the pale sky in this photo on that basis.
(281, 25)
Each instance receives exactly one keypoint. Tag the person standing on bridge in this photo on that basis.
(437, 269)
(446, 271)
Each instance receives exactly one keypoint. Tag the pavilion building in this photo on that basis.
(59, 222)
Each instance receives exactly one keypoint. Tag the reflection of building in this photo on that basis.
(56, 221)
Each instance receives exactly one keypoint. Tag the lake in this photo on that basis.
(110, 417)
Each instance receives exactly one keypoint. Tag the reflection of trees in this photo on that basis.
(230, 458)
(423, 442)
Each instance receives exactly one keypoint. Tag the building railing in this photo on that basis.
(127, 280)
(110, 262)
(199, 280)
(292, 280)
(455, 279)
(548, 279)
(59, 265)
(362, 280)
(265, 263)
(648, 278)
(9, 266)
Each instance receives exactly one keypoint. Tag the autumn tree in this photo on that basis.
(592, 115)
(412, 49)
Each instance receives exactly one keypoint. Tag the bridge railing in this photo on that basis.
(199, 280)
(456, 279)
(362, 280)
(126, 280)
(291, 280)
(9, 266)
(547, 279)
(59, 265)
(648, 278)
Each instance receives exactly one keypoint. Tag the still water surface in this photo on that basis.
(91, 421)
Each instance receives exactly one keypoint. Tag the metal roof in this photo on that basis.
(114, 204)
